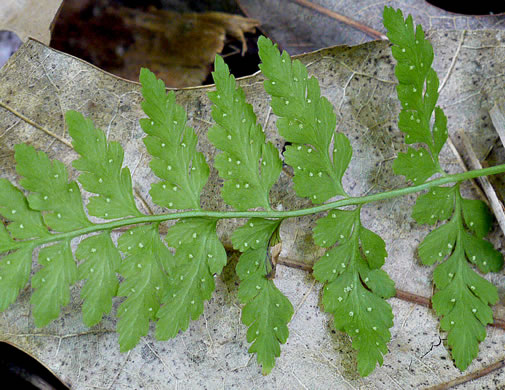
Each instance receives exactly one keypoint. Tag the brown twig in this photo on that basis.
(414, 298)
(143, 201)
(294, 264)
(36, 125)
(341, 18)
(470, 377)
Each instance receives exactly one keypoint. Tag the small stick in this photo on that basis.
(414, 298)
(496, 205)
(143, 201)
(341, 18)
(294, 264)
(470, 377)
(453, 62)
(426, 302)
(36, 125)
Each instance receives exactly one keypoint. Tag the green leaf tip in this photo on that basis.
(418, 94)
(308, 121)
(249, 165)
(24, 222)
(172, 144)
(267, 311)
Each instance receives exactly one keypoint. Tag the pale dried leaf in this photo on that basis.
(29, 18)
(39, 84)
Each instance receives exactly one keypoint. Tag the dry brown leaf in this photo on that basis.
(178, 48)
(29, 18)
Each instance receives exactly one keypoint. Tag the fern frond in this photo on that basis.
(145, 282)
(24, 223)
(51, 190)
(183, 171)
(249, 166)
(267, 311)
(52, 282)
(61, 201)
(101, 165)
(167, 281)
(463, 297)
(418, 93)
(100, 263)
(307, 120)
(355, 286)
(199, 255)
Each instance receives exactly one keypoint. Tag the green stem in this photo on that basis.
(455, 178)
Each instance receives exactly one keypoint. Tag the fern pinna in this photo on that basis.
(167, 279)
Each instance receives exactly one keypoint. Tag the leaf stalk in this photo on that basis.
(360, 200)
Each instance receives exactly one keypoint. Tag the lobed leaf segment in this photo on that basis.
(167, 280)
(463, 297)
(355, 285)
